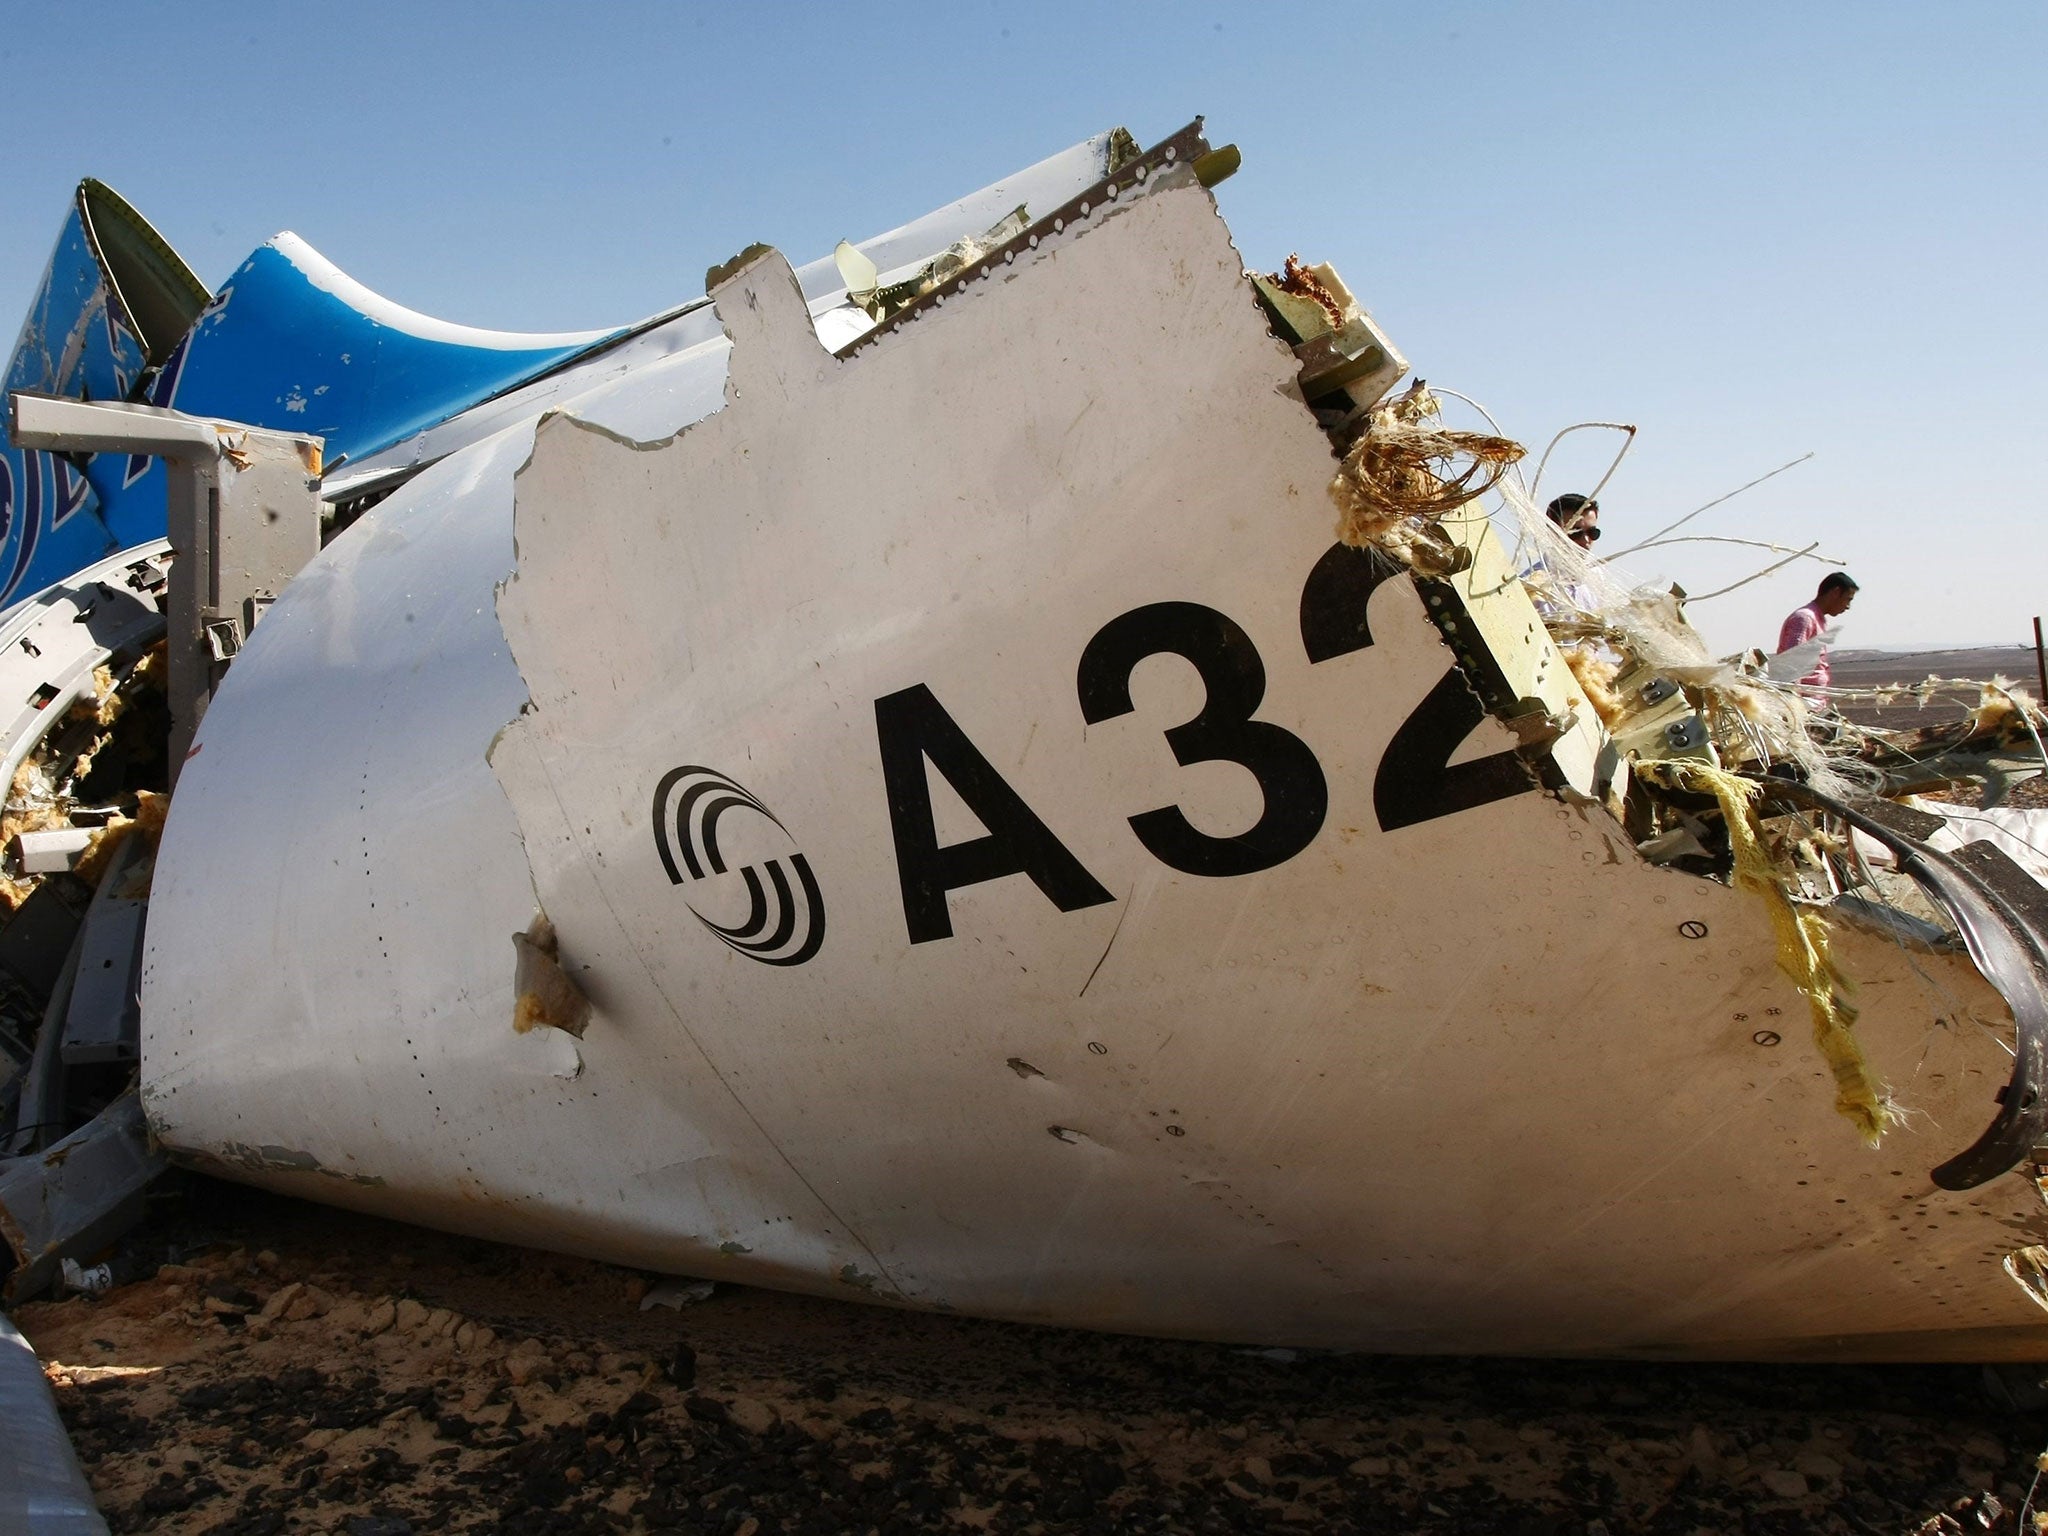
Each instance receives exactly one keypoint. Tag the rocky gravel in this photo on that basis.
(278, 1367)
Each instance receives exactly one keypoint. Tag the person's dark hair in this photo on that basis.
(1569, 505)
(1836, 581)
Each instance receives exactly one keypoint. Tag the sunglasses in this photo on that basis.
(1584, 535)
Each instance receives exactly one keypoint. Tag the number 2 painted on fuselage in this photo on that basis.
(1416, 780)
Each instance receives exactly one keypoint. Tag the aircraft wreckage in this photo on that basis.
(883, 781)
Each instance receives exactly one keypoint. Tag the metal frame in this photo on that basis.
(244, 518)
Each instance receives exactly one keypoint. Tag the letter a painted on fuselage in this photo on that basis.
(912, 727)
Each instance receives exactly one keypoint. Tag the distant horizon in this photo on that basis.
(2026, 650)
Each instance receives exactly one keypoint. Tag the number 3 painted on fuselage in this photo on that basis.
(1295, 797)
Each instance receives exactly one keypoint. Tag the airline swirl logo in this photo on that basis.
(785, 921)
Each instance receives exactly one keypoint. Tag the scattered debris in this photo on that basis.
(96, 773)
(1689, 738)
(67, 1204)
(2029, 1270)
(881, 297)
(677, 1294)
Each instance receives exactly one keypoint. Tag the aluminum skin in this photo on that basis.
(988, 893)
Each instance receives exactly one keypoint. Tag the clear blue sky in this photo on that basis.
(1754, 230)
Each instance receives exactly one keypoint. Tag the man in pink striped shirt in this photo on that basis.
(1809, 622)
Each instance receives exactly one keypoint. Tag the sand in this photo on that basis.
(301, 1369)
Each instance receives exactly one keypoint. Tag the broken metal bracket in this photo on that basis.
(243, 519)
(2002, 917)
(102, 1019)
(223, 637)
(1358, 365)
(1660, 722)
(77, 1197)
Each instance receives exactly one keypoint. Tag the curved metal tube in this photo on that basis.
(42, 1490)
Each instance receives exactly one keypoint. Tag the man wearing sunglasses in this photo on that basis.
(1557, 594)
(1577, 517)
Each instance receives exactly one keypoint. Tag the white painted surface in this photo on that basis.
(1465, 1085)
(2018, 832)
(330, 279)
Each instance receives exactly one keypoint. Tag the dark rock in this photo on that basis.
(166, 1498)
(706, 1410)
(681, 1366)
(233, 1295)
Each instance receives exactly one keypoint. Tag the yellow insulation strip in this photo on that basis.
(1803, 950)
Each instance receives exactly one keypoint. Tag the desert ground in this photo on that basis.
(271, 1366)
(1859, 670)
